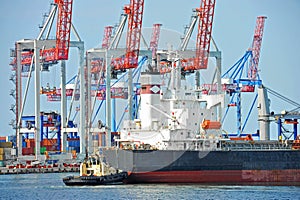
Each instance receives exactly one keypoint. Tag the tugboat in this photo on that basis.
(93, 171)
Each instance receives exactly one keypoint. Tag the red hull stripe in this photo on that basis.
(255, 177)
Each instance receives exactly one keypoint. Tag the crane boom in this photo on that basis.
(106, 37)
(63, 28)
(204, 33)
(135, 12)
(256, 45)
(189, 30)
(118, 32)
(154, 39)
(206, 15)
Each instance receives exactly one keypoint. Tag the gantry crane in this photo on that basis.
(107, 37)
(43, 52)
(206, 15)
(98, 64)
(63, 28)
(252, 79)
(135, 16)
(154, 42)
(256, 45)
(117, 62)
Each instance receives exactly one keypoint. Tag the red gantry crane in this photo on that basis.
(63, 28)
(59, 50)
(206, 14)
(256, 45)
(135, 15)
(97, 64)
(106, 37)
(154, 39)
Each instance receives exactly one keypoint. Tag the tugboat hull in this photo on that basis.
(95, 180)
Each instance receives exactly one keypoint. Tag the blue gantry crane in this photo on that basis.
(244, 76)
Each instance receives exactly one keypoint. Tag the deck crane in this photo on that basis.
(135, 15)
(206, 15)
(247, 84)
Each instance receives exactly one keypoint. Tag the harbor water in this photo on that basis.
(50, 186)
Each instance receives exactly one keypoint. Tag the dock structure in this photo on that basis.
(42, 169)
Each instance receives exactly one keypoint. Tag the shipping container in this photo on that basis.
(47, 142)
(11, 138)
(24, 144)
(28, 151)
(5, 144)
(42, 150)
(7, 153)
(95, 137)
(1, 151)
(77, 149)
(1, 163)
(3, 138)
(30, 143)
(1, 157)
(13, 152)
(51, 148)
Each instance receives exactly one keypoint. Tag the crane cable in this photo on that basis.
(284, 99)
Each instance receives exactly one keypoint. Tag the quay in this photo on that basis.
(61, 169)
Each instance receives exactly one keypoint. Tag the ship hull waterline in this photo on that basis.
(223, 177)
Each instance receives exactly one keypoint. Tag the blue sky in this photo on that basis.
(233, 30)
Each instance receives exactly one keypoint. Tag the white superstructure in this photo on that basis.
(171, 116)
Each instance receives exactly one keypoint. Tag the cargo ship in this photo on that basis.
(178, 134)
(178, 138)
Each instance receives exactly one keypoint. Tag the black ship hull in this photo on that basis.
(259, 167)
(95, 180)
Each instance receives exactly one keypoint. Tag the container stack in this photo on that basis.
(28, 149)
(73, 145)
(5, 150)
(1, 157)
(49, 145)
